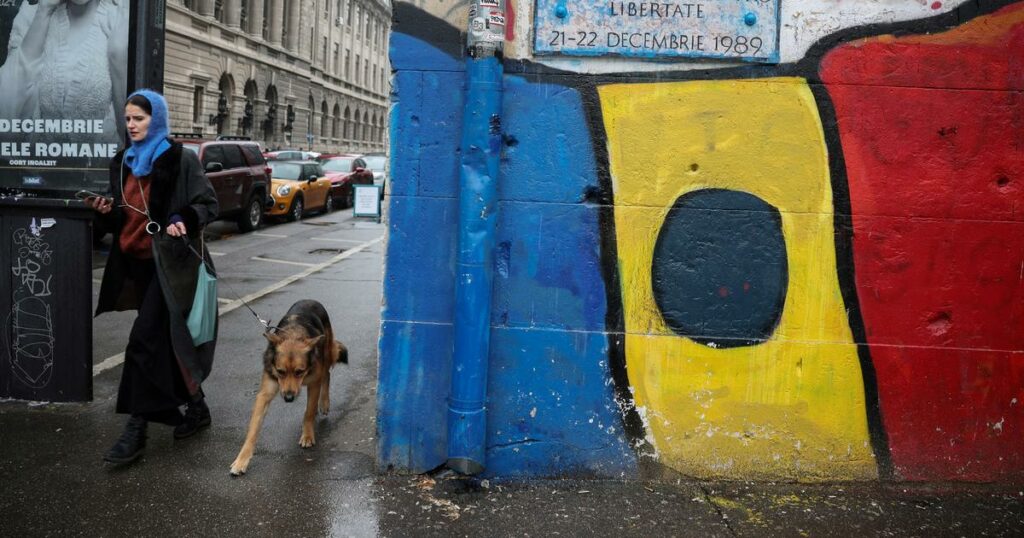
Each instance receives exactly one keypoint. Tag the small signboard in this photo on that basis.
(367, 201)
(745, 30)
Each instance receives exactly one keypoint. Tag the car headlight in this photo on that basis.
(284, 190)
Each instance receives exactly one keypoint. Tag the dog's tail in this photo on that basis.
(342, 352)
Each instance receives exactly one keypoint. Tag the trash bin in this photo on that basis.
(45, 300)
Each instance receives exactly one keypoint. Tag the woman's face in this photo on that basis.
(137, 121)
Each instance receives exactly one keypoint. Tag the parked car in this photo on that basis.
(298, 187)
(344, 171)
(289, 155)
(378, 162)
(239, 175)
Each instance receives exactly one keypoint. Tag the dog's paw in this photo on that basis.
(238, 468)
(307, 440)
(324, 407)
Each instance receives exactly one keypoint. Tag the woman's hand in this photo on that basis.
(176, 229)
(101, 205)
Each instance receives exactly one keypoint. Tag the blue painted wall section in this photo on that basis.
(416, 331)
(550, 402)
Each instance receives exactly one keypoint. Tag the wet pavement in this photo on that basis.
(53, 482)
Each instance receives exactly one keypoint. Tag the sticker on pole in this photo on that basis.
(744, 30)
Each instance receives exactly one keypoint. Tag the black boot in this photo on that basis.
(197, 417)
(131, 444)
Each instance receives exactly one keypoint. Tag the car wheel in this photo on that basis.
(297, 209)
(329, 203)
(251, 218)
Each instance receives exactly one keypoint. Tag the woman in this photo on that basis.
(67, 59)
(161, 200)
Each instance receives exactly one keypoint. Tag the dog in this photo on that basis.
(301, 352)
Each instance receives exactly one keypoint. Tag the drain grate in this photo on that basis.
(327, 251)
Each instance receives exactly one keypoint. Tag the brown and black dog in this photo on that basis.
(300, 352)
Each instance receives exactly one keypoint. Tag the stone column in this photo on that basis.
(256, 18)
(206, 8)
(293, 26)
(233, 13)
(276, 20)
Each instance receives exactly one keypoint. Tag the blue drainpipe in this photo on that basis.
(478, 193)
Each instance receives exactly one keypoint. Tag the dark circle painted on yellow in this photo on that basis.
(720, 271)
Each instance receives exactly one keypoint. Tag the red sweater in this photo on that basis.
(135, 241)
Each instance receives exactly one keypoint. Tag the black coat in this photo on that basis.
(178, 186)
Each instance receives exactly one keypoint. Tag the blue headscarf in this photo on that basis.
(141, 155)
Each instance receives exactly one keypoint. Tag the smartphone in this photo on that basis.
(83, 194)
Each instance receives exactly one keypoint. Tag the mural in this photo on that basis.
(806, 271)
(765, 380)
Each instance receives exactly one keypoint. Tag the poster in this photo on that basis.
(63, 79)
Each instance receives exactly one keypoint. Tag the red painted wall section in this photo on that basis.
(932, 132)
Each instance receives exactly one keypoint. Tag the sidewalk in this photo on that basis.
(422, 506)
(53, 483)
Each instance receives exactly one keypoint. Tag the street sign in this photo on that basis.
(367, 201)
(746, 30)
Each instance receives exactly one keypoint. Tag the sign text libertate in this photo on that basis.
(727, 29)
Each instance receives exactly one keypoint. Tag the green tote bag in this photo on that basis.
(202, 319)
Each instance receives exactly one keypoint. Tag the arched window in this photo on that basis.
(366, 126)
(222, 115)
(335, 120)
(252, 92)
(324, 130)
(270, 119)
(309, 116)
(347, 127)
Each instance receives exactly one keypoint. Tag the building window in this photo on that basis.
(366, 72)
(359, 22)
(358, 64)
(197, 104)
(323, 58)
(265, 31)
(218, 10)
(189, 4)
(335, 60)
(243, 17)
(348, 65)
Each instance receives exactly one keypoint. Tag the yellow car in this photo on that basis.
(298, 187)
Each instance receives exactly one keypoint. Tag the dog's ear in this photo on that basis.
(314, 341)
(272, 337)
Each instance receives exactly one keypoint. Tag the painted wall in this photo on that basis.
(810, 270)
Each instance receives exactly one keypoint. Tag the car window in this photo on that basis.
(253, 155)
(285, 170)
(232, 156)
(359, 164)
(339, 164)
(376, 163)
(309, 170)
(213, 154)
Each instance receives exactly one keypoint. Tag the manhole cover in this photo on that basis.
(327, 251)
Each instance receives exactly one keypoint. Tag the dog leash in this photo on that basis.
(266, 323)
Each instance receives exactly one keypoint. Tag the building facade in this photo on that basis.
(310, 74)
